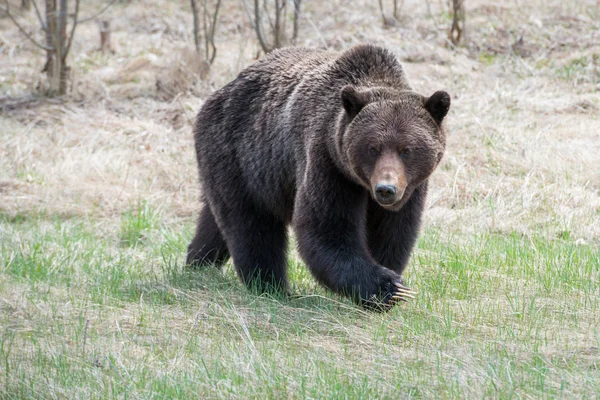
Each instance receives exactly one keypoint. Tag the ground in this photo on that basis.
(98, 198)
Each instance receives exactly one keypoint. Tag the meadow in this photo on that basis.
(99, 193)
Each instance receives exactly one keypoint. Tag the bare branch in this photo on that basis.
(213, 29)
(39, 15)
(205, 28)
(381, 9)
(247, 11)
(257, 28)
(31, 39)
(214, 21)
(62, 26)
(458, 21)
(297, 4)
(398, 9)
(268, 14)
(75, 22)
(277, 29)
(209, 27)
(195, 15)
(49, 12)
(98, 13)
(214, 51)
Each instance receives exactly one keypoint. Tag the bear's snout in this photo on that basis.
(388, 180)
(385, 194)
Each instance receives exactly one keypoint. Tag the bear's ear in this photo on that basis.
(353, 100)
(438, 105)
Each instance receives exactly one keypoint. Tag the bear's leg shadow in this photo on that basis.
(392, 235)
(208, 246)
(258, 244)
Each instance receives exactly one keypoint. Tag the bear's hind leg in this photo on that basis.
(208, 246)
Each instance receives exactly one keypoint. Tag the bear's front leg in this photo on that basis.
(329, 220)
(391, 235)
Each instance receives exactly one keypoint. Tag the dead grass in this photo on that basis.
(524, 133)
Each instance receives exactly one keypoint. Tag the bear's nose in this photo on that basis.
(385, 193)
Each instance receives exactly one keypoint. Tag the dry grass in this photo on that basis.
(524, 125)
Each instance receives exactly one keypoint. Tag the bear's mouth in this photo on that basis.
(396, 206)
(390, 203)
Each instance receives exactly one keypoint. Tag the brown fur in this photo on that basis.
(300, 138)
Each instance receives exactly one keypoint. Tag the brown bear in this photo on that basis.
(337, 145)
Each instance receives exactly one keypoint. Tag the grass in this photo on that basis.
(498, 316)
(136, 222)
(581, 68)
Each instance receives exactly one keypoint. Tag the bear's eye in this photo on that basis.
(373, 151)
(405, 153)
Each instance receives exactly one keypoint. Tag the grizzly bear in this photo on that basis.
(338, 146)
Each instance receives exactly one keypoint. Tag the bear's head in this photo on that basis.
(391, 141)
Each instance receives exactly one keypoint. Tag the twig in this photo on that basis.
(284, 4)
(381, 9)
(98, 13)
(246, 7)
(35, 42)
(39, 15)
(50, 14)
(396, 9)
(75, 22)
(209, 26)
(213, 29)
(85, 329)
(297, 4)
(318, 32)
(277, 30)
(58, 39)
(458, 21)
(259, 33)
(62, 26)
(266, 12)
(205, 28)
(195, 16)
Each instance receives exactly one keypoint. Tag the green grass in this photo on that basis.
(136, 223)
(90, 311)
(584, 68)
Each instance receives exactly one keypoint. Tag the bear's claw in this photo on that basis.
(402, 293)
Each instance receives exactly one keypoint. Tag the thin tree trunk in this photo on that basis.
(49, 68)
(105, 45)
(61, 55)
(57, 44)
(258, 28)
(381, 9)
(213, 29)
(196, 28)
(457, 29)
(277, 30)
(205, 27)
(398, 9)
(296, 20)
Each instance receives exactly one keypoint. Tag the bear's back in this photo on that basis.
(258, 126)
(367, 65)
